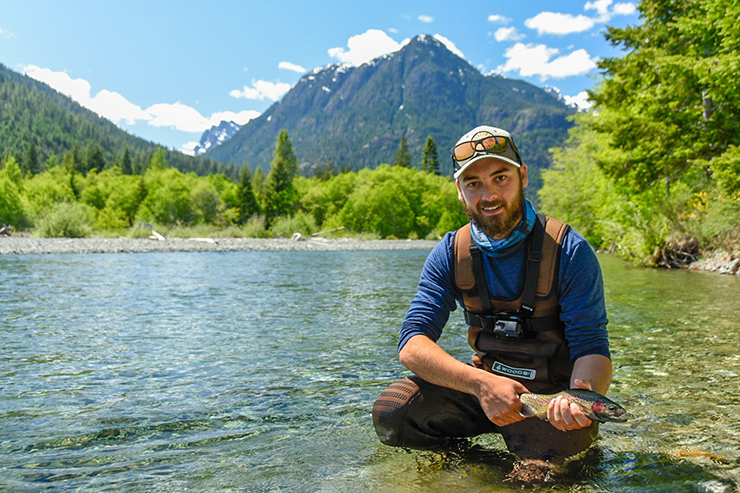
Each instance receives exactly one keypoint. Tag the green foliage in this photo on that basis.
(388, 202)
(246, 200)
(403, 156)
(37, 122)
(429, 158)
(659, 158)
(11, 208)
(279, 193)
(301, 222)
(66, 220)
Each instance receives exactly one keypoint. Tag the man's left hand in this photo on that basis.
(565, 415)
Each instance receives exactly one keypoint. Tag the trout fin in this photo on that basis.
(527, 411)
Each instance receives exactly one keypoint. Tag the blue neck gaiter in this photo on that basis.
(503, 247)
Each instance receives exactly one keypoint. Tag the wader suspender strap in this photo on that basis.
(480, 277)
(534, 259)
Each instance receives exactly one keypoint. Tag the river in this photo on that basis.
(256, 371)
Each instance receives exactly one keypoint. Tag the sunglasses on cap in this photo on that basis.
(487, 143)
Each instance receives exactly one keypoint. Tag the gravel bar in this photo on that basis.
(18, 245)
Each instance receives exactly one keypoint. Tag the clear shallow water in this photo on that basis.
(256, 371)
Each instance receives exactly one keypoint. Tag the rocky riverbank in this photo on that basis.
(34, 246)
(720, 261)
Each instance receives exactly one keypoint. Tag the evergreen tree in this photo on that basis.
(248, 205)
(258, 184)
(280, 194)
(31, 160)
(94, 158)
(403, 156)
(126, 165)
(429, 158)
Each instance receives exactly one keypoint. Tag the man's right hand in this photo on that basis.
(499, 398)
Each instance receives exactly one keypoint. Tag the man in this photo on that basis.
(532, 293)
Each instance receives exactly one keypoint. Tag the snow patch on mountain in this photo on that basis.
(216, 135)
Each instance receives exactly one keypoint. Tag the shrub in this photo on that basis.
(66, 220)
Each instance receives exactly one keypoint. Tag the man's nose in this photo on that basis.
(489, 192)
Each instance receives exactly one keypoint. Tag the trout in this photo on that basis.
(595, 406)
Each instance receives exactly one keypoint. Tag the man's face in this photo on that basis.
(491, 192)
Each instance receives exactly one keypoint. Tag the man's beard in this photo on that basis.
(502, 224)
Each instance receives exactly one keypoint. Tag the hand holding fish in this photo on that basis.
(572, 409)
(566, 415)
(499, 398)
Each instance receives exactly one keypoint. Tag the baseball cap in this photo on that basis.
(483, 142)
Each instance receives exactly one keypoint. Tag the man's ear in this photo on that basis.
(523, 175)
(459, 192)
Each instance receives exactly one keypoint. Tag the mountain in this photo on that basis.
(33, 112)
(355, 116)
(216, 135)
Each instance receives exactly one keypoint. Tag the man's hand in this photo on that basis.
(499, 398)
(565, 415)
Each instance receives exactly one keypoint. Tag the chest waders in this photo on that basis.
(521, 338)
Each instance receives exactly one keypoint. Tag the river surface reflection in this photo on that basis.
(256, 371)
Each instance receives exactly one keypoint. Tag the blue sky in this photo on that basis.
(168, 70)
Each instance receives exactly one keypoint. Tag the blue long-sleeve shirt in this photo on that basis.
(580, 289)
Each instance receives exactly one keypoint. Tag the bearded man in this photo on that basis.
(532, 294)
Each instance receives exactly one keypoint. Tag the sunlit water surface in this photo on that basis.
(257, 371)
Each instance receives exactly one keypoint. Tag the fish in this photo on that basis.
(594, 405)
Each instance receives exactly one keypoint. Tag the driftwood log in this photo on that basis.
(677, 253)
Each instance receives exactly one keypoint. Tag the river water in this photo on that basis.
(256, 371)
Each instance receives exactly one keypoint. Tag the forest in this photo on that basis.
(71, 197)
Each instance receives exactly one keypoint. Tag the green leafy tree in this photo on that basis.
(403, 155)
(158, 160)
(671, 102)
(429, 158)
(11, 206)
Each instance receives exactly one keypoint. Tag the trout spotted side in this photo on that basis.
(595, 406)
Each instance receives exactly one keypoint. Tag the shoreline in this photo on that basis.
(21, 245)
(719, 262)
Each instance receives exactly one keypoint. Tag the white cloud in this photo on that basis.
(262, 90)
(365, 47)
(291, 66)
(178, 116)
(241, 118)
(115, 107)
(498, 18)
(560, 24)
(427, 19)
(605, 14)
(601, 7)
(189, 148)
(450, 45)
(507, 34)
(539, 60)
(108, 104)
(624, 9)
(580, 101)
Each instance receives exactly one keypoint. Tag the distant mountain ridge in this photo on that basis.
(31, 111)
(355, 116)
(216, 135)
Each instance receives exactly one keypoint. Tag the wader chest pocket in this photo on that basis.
(487, 342)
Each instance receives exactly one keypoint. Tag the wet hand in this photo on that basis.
(499, 398)
(565, 415)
